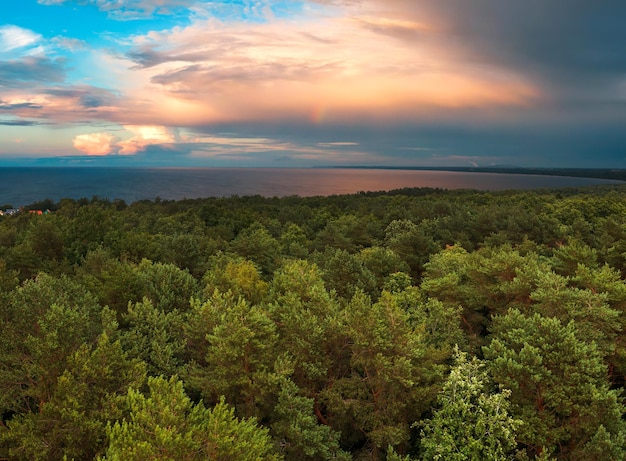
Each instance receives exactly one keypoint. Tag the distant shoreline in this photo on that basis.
(615, 174)
(595, 173)
(19, 186)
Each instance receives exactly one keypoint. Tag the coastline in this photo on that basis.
(617, 174)
(27, 185)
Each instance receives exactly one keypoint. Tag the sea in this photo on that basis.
(21, 186)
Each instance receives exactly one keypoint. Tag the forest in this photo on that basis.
(416, 324)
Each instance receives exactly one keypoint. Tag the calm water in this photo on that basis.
(22, 186)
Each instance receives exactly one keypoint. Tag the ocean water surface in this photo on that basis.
(26, 185)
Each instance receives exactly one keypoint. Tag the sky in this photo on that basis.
(279, 83)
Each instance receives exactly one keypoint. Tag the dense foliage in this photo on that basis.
(415, 324)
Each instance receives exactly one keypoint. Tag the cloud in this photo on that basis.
(570, 48)
(338, 144)
(18, 105)
(257, 151)
(23, 60)
(85, 96)
(161, 145)
(17, 42)
(360, 68)
(129, 9)
(96, 143)
(18, 123)
(61, 105)
(70, 44)
(402, 79)
(357, 62)
(145, 136)
(398, 28)
(26, 71)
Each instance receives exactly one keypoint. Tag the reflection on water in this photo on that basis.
(20, 186)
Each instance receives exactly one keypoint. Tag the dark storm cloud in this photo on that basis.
(562, 41)
(454, 142)
(575, 51)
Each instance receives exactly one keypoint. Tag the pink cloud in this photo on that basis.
(360, 61)
(144, 136)
(96, 143)
(369, 60)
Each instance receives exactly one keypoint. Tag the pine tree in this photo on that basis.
(558, 388)
(166, 426)
(472, 422)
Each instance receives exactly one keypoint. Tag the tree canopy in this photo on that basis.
(411, 324)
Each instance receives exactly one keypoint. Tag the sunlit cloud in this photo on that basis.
(359, 61)
(96, 143)
(61, 105)
(142, 137)
(321, 70)
(156, 141)
(17, 105)
(322, 81)
(145, 136)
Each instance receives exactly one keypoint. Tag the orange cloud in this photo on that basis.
(96, 143)
(106, 143)
(360, 61)
(145, 136)
(367, 62)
